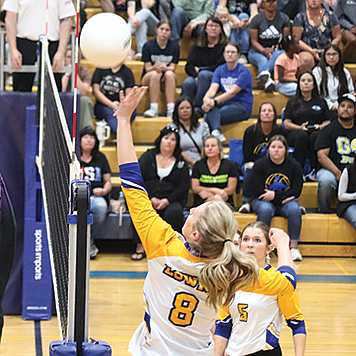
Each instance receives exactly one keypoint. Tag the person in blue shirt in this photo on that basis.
(234, 104)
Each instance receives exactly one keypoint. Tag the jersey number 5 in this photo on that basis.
(243, 312)
(184, 306)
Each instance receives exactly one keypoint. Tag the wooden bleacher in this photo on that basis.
(322, 234)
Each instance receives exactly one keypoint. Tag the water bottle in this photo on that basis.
(122, 206)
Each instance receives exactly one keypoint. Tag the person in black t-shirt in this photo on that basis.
(277, 183)
(306, 114)
(96, 169)
(160, 57)
(255, 142)
(335, 146)
(214, 178)
(291, 7)
(204, 57)
(107, 84)
(266, 30)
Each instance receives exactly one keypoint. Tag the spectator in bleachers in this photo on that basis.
(160, 56)
(291, 7)
(96, 169)
(232, 28)
(335, 148)
(277, 183)
(347, 194)
(107, 84)
(83, 83)
(244, 11)
(143, 18)
(305, 115)
(112, 5)
(266, 29)
(332, 77)
(286, 69)
(204, 57)
(255, 142)
(316, 28)
(234, 104)
(25, 22)
(166, 176)
(214, 178)
(192, 132)
(346, 12)
(187, 15)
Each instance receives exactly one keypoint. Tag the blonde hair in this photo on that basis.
(220, 145)
(221, 10)
(228, 269)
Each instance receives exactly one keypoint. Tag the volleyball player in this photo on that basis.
(191, 276)
(252, 323)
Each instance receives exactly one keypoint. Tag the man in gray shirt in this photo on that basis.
(291, 7)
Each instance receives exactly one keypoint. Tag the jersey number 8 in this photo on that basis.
(184, 306)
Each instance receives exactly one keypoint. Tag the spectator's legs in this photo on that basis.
(179, 20)
(204, 81)
(265, 210)
(258, 60)
(288, 89)
(189, 88)
(153, 81)
(311, 152)
(327, 186)
(226, 113)
(170, 91)
(86, 112)
(349, 50)
(247, 188)
(292, 212)
(350, 215)
(241, 36)
(299, 139)
(272, 60)
(99, 209)
(148, 23)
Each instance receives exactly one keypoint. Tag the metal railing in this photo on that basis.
(6, 68)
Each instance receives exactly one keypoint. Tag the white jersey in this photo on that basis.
(31, 17)
(253, 320)
(177, 318)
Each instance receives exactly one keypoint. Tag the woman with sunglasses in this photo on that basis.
(166, 176)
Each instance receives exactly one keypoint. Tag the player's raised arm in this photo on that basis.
(125, 148)
(280, 240)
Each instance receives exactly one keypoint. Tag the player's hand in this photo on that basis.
(58, 62)
(129, 102)
(16, 59)
(278, 238)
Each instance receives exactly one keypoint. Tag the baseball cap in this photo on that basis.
(347, 96)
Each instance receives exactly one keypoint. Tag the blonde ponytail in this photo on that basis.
(228, 269)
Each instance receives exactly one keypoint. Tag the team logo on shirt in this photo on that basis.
(260, 149)
(277, 182)
(189, 280)
(344, 148)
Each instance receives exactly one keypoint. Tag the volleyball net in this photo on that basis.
(58, 166)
